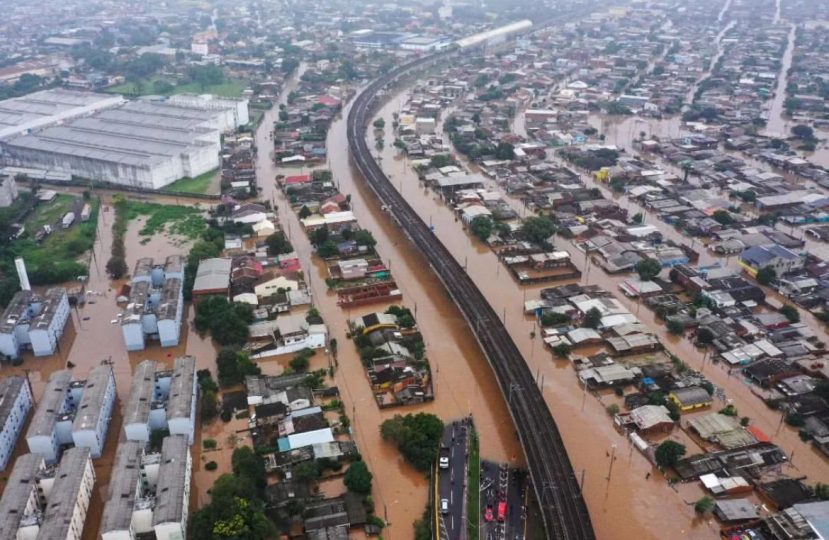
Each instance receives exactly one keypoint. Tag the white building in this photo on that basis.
(72, 413)
(148, 493)
(47, 503)
(156, 304)
(35, 322)
(15, 404)
(162, 400)
(42, 435)
(146, 143)
(89, 429)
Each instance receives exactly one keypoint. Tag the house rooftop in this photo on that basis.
(10, 389)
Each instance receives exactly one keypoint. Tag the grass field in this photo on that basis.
(185, 221)
(229, 88)
(49, 213)
(200, 184)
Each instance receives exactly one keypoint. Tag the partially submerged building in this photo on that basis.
(149, 493)
(156, 304)
(15, 404)
(33, 321)
(162, 400)
(47, 503)
(73, 413)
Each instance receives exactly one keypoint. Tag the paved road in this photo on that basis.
(452, 481)
(499, 483)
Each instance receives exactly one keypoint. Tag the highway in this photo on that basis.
(557, 491)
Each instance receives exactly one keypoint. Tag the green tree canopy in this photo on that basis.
(538, 229)
(481, 226)
(358, 478)
(648, 269)
(417, 436)
(668, 453)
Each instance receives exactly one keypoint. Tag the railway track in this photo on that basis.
(557, 491)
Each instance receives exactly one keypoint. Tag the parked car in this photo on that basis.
(444, 462)
(444, 506)
(489, 515)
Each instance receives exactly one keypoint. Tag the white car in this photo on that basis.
(444, 506)
(444, 462)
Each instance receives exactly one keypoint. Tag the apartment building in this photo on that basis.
(156, 304)
(91, 423)
(34, 322)
(15, 404)
(162, 399)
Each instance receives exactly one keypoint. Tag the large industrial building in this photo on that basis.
(73, 413)
(156, 304)
(147, 143)
(162, 400)
(35, 322)
(46, 503)
(15, 404)
(149, 494)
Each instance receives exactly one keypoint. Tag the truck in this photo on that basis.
(68, 220)
(86, 212)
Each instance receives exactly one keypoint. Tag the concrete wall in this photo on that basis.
(133, 336)
(137, 431)
(45, 445)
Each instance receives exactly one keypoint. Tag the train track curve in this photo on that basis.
(557, 491)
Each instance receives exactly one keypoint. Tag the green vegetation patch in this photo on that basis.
(200, 184)
(49, 213)
(472, 492)
(184, 221)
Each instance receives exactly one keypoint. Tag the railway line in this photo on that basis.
(557, 491)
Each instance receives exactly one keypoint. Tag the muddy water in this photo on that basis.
(777, 125)
(464, 383)
(587, 431)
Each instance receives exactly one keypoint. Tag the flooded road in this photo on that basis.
(463, 381)
(587, 431)
(778, 125)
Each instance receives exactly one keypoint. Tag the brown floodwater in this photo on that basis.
(627, 506)
(463, 381)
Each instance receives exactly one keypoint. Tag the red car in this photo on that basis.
(488, 514)
(502, 510)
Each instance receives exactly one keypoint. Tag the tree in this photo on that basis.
(233, 366)
(822, 491)
(209, 405)
(358, 478)
(206, 75)
(705, 336)
(668, 453)
(562, 350)
(327, 249)
(416, 436)
(612, 409)
(307, 472)
(379, 123)
(304, 212)
(538, 229)
(247, 464)
(364, 237)
(505, 151)
(481, 227)
(648, 269)
(705, 505)
(638, 218)
(791, 313)
(803, 132)
(765, 276)
(553, 318)
(723, 217)
(592, 319)
(675, 327)
(278, 244)
(116, 267)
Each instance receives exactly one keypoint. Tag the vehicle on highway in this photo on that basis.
(502, 510)
(489, 515)
(444, 506)
(444, 462)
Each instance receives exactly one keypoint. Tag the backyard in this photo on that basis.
(183, 221)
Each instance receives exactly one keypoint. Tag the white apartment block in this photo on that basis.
(149, 492)
(162, 400)
(73, 413)
(35, 322)
(91, 423)
(15, 404)
(156, 304)
(47, 503)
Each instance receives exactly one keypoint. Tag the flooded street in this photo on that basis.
(463, 381)
(587, 431)
(778, 125)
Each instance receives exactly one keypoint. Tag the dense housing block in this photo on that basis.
(33, 321)
(156, 304)
(15, 404)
